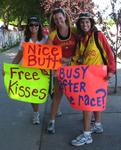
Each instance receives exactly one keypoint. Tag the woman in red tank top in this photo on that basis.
(61, 34)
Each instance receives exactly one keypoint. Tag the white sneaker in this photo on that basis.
(81, 140)
(36, 119)
(97, 129)
(59, 113)
(51, 127)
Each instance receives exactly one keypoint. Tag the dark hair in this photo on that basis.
(27, 32)
(55, 11)
(84, 16)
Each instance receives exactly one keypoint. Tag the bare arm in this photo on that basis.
(18, 57)
(49, 42)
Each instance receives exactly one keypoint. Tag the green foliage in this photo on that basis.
(110, 22)
(18, 11)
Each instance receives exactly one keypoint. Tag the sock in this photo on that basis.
(53, 121)
(36, 112)
(87, 133)
(98, 123)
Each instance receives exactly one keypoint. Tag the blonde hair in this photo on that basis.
(55, 11)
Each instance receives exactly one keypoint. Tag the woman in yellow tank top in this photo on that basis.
(89, 54)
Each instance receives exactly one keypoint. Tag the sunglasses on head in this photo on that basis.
(33, 24)
(58, 10)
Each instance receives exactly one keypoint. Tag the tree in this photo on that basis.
(22, 10)
(5, 11)
(115, 15)
(72, 7)
(16, 10)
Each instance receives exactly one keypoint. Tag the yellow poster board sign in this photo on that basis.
(26, 84)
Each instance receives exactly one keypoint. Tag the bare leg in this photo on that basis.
(56, 100)
(54, 107)
(36, 119)
(86, 120)
(35, 107)
(98, 117)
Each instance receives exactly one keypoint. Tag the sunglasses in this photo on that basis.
(31, 25)
(58, 10)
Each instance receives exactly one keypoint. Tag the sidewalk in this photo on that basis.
(17, 132)
(16, 129)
